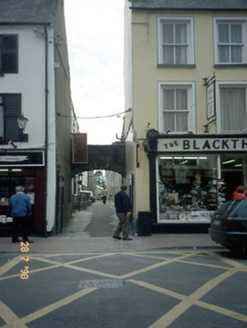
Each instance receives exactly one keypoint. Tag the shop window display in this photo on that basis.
(188, 189)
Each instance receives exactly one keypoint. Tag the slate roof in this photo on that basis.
(189, 4)
(27, 11)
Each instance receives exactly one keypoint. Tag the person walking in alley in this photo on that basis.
(123, 206)
(20, 209)
(104, 195)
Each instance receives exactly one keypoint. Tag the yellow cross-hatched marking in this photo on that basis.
(158, 289)
(193, 299)
(149, 256)
(151, 267)
(223, 311)
(203, 264)
(154, 266)
(33, 271)
(20, 322)
(181, 257)
(68, 266)
(8, 266)
(67, 254)
(231, 262)
(91, 258)
(8, 316)
(178, 259)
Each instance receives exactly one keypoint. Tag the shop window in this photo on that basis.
(9, 179)
(177, 110)
(8, 53)
(233, 108)
(10, 108)
(230, 41)
(175, 46)
(187, 188)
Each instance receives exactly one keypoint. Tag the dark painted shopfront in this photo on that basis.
(191, 175)
(24, 168)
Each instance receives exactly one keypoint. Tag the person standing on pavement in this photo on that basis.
(239, 193)
(104, 195)
(123, 206)
(20, 209)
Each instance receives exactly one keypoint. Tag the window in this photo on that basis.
(233, 117)
(8, 53)
(175, 41)
(187, 192)
(231, 41)
(177, 113)
(10, 108)
(1, 118)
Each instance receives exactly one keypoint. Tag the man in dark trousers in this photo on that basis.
(20, 209)
(123, 206)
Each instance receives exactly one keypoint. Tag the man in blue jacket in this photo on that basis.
(123, 207)
(20, 209)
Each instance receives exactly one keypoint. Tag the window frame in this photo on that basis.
(230, 20)
(4, 51)
(228, 84)
(189, 21)
(190, 86)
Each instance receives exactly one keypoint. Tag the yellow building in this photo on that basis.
(186, 85)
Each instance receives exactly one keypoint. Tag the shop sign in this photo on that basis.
(13, 158)
(22, 159)
(202, 145)
(79, 148)
(211, 107)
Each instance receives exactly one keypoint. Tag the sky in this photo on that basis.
(95, 37)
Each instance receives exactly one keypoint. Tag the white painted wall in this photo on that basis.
(30, 83)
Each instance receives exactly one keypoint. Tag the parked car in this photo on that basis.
(228, 225)
(89, 195)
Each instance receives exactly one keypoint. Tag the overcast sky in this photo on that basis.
(95, 35)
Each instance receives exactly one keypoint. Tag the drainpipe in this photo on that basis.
(44, 228)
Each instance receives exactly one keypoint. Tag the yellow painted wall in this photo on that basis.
(145, 76)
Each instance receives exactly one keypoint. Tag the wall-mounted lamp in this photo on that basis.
(12, 144)
(22, 122)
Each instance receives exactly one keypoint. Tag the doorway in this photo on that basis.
(232, 179)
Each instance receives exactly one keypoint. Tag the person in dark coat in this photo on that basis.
(20, 209)
(123, 210)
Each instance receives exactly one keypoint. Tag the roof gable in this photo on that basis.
(27, 11)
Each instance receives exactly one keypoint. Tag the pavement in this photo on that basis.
(91, 230)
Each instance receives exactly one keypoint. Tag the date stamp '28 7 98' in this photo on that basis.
(25, 249)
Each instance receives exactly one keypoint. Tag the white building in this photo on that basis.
(35, 83)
